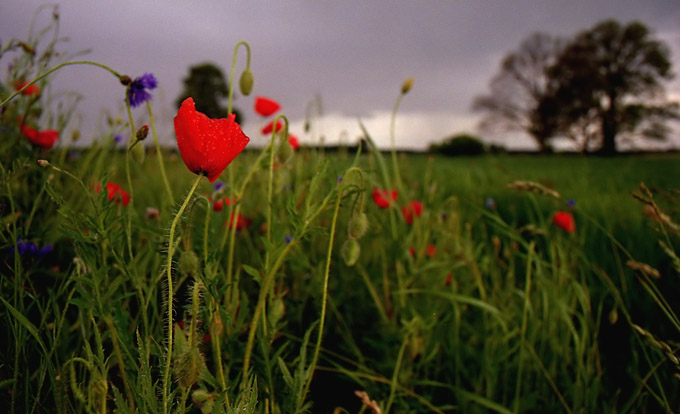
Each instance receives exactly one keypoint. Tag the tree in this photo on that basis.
(607, 82)
(207, 85)
(517, 99)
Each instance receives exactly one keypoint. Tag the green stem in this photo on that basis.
(395, 376)
(527, 305)
(133, 139)
(166, 375)
(233, 68)
(161, 165)
(59, 66)
(324, 299)
(395, 164)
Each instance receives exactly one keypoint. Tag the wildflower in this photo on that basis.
(293, 142)
(44, 139)
(241, 222)
(218, 185)
(116, 193)
(137, 92)
(431, 250)
(411, 210)
(490, 203)
(288, 239)
(565, 221)
(207, 145)
(118, 138)
(33, 90)
(265, 106)
(29, 248)
(152, 213)
(384, 198)
(449, 279)
(270, 126)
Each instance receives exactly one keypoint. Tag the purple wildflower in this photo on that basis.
(137, 91)
(119, 137)
(490, 203)
(571, 202)
(45, 250)
(288, 239)
(218, 185)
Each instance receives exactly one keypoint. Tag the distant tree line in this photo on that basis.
(597, 88)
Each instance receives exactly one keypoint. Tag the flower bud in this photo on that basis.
(76, 135)
(358, 225)
(125, 80)
(43, 163)
(406, 86)
(188, 263)
(246, 82)
(138, 152)
(142, 132)
(188, 366)
(351, 252)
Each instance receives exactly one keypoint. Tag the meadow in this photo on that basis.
(143, 281)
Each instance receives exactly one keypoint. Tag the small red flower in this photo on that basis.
(293, 142)
(411, 210)
(265, 106)
(32, 90)
(565, 221)
(270, 126)
(44, 139)
(449, 279)
(241, 222)
(218, 205)
(115, 193)
(207, 145)
(431, 250)
(384, 198)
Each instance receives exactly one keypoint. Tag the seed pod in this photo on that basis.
(351, 250)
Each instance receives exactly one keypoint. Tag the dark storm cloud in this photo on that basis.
(353, 53)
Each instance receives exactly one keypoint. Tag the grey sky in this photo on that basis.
(355, 54)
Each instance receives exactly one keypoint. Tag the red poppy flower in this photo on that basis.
(265, 106)
(241, 222)
(44, 139)
(117, 194)
(207, 145)
(31, 90)
(293, 142)
(219, 204)
(270, 126)
(431, 250)
(449, 279)
(384, 198)
(565, 221)
(411, 210)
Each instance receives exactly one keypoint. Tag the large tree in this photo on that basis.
(517, 99)
(608, 83)
(207, 85)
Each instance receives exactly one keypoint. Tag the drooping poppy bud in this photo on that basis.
(565, 221)
(384, 198)
(358, 225)
(207, 146)
(245, 82)
(265, 106)
(351, 250)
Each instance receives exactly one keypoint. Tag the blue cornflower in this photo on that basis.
(26, 247)
(119, 137)
(288, 239)
(45, 250)
(571, 202)
(218, 185)
(137, 92)
(490, 203)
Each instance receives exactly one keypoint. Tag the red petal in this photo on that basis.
(207, 145)
(265, 106)
(270, 126)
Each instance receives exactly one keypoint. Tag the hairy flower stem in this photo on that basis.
(133, 138)
(59, 66)
(171, 239)
(159, 154)
(324, 299)
(233, 68)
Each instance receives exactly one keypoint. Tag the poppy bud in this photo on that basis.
(76, 135)
(43, 163)
(285, 151)
(200, 396)
(351, 250)
(188, 366)
(276, 312)
(246, 82)
(138, 152)
(358, 225)
(307, 126)
(125, 80)
(188, 263)
(142, 132)
(406, 86)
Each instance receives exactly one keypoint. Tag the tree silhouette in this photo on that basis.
(608, 82)
(517, 101)
(207, 85)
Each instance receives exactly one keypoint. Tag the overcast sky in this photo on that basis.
(353, 54)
